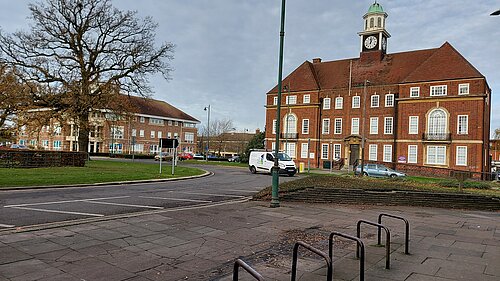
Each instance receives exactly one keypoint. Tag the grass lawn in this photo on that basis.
(95, 171)
(349, 181)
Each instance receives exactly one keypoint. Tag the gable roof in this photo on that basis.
(148, 106)
(441, 63)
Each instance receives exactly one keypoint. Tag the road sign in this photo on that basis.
(169, 143)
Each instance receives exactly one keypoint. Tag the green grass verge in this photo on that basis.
(95, 171)
(216, 163)
(349, 181)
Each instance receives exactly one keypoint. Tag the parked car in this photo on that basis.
(235, 158)
(164, 157)
(185, 156)
(378, 170)
(198, 157)
(18, 146)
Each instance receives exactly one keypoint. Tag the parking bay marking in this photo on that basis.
(66, 201)
(210, 194)
(6, 225)
(126, 205)
(177, 199)
(57, 211)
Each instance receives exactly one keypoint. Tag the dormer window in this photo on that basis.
(463, 89)
(438, 90)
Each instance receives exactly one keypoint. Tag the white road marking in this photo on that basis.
(210, 194)
(176, 199)
(241, 190)
(6, 225)
(120, 204)
(57, 211)
(62, 202)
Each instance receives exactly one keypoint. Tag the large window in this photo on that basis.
(436, 155)
(188, 137)
(463, 89)
(326, 103)
(463, 125)
(438, 90)
(326, 127)
(324, 151)
(389, 100)
(155, 121)
(339, 101)
(275, 100)
(338, 126)
(356, 101)
(461, 156)
(305, 126)
(413, 125)
(117, 132)
(375, 101)
(412, 153)
(372, 152)
(437, 122)
(414, 92)
(355, 126)
(57, 145)
(291, 99)
(290, 149)
(337, 151)
(304, 150)
(388, 125)
(306, 99)
(290, 124)
(274, 126)
(141, 133)
(373, 125)
(387, 153)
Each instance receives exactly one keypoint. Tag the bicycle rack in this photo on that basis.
(387, 240)
(407, 230)
(359, 245)
(240, 263)
(329, 275)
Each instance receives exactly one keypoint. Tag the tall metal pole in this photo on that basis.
(363, 129)
(275, 202)
(208, 131)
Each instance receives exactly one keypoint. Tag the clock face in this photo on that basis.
(370, 42)
(384, 43)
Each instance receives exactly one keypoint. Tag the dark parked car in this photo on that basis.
(234, 159)
(378, 170)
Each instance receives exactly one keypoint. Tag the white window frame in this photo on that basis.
(373, 129)
(305, 126)
(325, 126)
(414, 92)
(337, 151)
(134, 132)
(412, 157)
(388, 130)
(327, 103)
(325, 150)
(461, 160)
(375, 101)
(339, 102)
(372, 152)
(389, 100)
(141, 133)
(387, 153)
(306, 99)
(464, 86)
(189, 137)
(291, 99)
(354, 132)
(413, 127)
(291, 149)
(434, 149)
(337, 126)
(275, 100)
(356, 101)
(274, 127)
(304, 149)
(152, 134)
(159, 134)
(438, 90)
(465, 127)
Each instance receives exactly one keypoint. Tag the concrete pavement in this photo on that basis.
(202, 243)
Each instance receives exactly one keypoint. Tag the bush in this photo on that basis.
(467, 184)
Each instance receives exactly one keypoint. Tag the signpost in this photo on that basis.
(169, 143)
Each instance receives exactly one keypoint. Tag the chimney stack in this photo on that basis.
(316, 60)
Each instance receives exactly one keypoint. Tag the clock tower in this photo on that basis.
(374, 36)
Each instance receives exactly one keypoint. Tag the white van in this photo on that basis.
(263, 161)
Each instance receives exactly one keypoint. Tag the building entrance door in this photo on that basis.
(354, 156)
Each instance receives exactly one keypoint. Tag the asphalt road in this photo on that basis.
(40, 206)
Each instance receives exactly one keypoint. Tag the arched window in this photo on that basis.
(437, 122)
(290, 124)
(372, 22)
(366, 24)
(379, 22)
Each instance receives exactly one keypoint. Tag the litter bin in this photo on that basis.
(301, 167)
(326, 164)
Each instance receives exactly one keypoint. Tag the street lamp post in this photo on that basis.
(276, 168)
(363, 129)
(207, 109)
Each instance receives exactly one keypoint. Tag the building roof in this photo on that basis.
(148, 106)
(375, 8)
(441, 63)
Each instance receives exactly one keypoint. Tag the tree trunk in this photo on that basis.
(83, 136)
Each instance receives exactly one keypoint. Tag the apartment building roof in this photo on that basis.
(148, 106)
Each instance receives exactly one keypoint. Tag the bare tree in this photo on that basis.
(85, 52)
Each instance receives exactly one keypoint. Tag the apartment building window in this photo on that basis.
(291, 124)
(155, 121)
(57, 130)
(414, 92)
(356, 101)
(142, 119)
(412, 153)
(169, 122)
(375, 100)
(387, 153)
(305, 126)
(275, 100)
(176, 135)
(152, 134)
(22, 142)
(306, 99)
(372, 152)
(139, 147)
(413, 125)
(141, 133)
(33, 142)
(326, 127)
(463, 89)
(324, 150)
(389, 100)
(117, 132)
(326, 103)
(291, 100)
(190, 125)
(461, 156)
(189, 137)
(337, 151)
(463, 125)
(134, 132)
(304, 149)
(436, 155)
(274, 127)
(176, 123)
(438, 90)
(388, 124)
(373, 125)
(437, 122)
(116, 147)
(338, 126)
(45, 144)
(56, 145)
(355, 126)
(273, 146)
(290, 149)
(169, 135)
(160, 134)
(339, 102)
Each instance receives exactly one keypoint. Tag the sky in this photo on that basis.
(226, 53)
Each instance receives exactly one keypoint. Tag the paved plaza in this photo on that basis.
(202, 243)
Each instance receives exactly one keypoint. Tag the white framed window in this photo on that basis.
(438, 90)
(326, 103)
(142, 119)
(372, 152)
(134, 132)
(463, 89)
(305, 126)
(355, 126)
(356, 101)
(291, 100)
(169, 135)
(275, 100)
(387, 153)
(463, 124)
(326, 127)
(436, 155)
(274, 127)
(438, 120)
(375, 100)
(337, 154)
(324, 150)
(412, 153)
(45, 143)
(169, 122)
(56, 145)
(461, 156)
(176, 135)
(414, 92)
(373, 125)
(388, 121)
(141, 133)
(160, 134)
(339, 102)
(306, 99)
(176, 123)
(273, 146)
(389, 100)
(155, 121)
(413, 125)
(152, 134)
(117, 132)
(304, 147)
(290, 149)
(338, 126)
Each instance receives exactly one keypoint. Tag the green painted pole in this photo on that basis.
(275, 201)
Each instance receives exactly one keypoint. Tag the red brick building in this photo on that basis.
(426, 110)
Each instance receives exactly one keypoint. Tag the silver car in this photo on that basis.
(379, 171)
